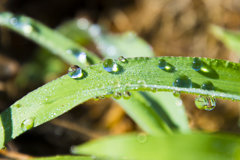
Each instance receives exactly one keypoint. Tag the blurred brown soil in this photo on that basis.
(172, 27)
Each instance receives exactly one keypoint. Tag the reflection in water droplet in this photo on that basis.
(102, 97)
(96, 98)
(206, 103)
(117, 95)
(110, 66)
(82, 23)
(75, 72)
(27, 124)
(81, 56)
(208, 85)
(122, 59)
(94, 30)
(197, 64)
(183, 81)
(176, 93)
(162, 64)
(126, 95)
(142, 137)
(108, 94)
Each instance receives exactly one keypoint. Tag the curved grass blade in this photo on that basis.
(46, 37)
(128, 45)
(59, 45)
(59, 96)
(181, 147)
(230, 38)
(64, 158)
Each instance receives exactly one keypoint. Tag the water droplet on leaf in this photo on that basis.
(183, 81)
(126, 95)
(122, 59)
(162, 64)
(197, 64)
(96, 98)
(117, 95)
(208, 85)
(110, 65)
(176, 93)
(14, 21)
(206, 103)
(27, 124)
(75, 72)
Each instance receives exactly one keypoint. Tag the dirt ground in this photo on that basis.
(172, 27)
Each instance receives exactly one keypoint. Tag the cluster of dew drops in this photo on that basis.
(201, 102)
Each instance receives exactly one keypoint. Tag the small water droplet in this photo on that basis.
(208, 85)
(162, 64)
(126, 95)
(108, 94)
(142, 137)
(81, 56)
(116, 84)
(117, 95)
(14, 21)
(122, 59)
(197, 64)
(110, 65)
(183, 81)
(27, 124)
(102, 97)
(4, 148)
(83, 23)
(96, 98)
(142, 83)
(75, 72)
(18, 105)
(176, 93)
(206, 103)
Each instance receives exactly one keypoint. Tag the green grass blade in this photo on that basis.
(64, 158)
(46, 37)
(58, 44)
(59, 96)
(230, 38)
(181, 147)
(128, 45)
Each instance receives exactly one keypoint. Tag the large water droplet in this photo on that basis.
(122, 59)
(162, 64)
(27, 124)
(206, 103)
(183, 81)
(176, 93)
(81, 56)
(208, 85)
(126, 95)
(117, 95)
(197, 64)
(75, 72)
(110, 66)
(82, 23)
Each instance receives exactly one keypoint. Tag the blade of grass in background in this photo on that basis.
(64, 158)
(230, 38)
(60, 45)
(128, 45)
(135, 74)
(181, 147)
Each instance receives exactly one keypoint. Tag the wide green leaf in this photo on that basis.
(59, 96)
(65, 48)
(181, 147)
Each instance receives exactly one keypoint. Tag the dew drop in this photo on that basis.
(208, 85)
(75, 72)
(183, 81)
(81, 56)
(126, 95)
(176, 93)
(197, 64)
(96, 98)
(117, 95)
(122, 59)
(206, 103)
(18, 105)
(102, 97)
(116, 84)
(108, 94)
(162, 64)
(4, 148)
(13, 21)
(27, 124)
(142, 137)
(142, 83)
(82, 23)
(110, 66)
